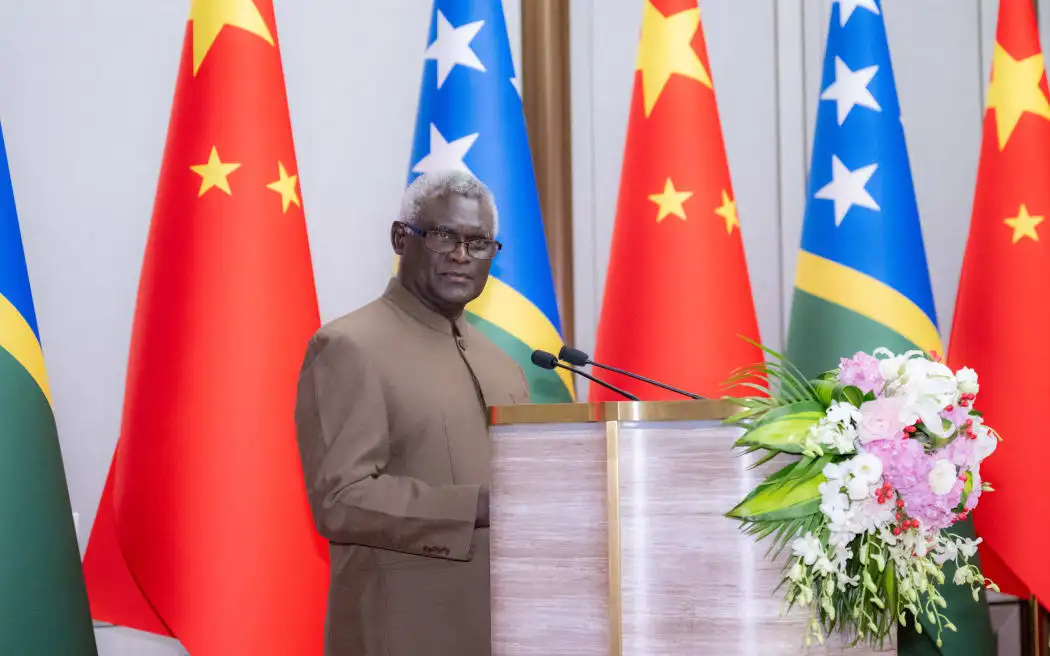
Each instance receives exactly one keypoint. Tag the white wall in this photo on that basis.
(85, 95)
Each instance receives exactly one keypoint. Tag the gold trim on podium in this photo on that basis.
(580, 413)
(612, 463)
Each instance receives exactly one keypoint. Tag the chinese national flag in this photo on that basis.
(204, 532)
(677, 294)
(1002, 314)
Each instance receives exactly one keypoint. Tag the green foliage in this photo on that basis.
(783, 434)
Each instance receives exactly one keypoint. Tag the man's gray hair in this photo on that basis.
(441, 184)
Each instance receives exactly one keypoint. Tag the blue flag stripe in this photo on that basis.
(14, 277)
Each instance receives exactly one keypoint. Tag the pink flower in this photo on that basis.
(861, 370)
(957, 415)
(906, 467)
(881, 419)
(962, 452)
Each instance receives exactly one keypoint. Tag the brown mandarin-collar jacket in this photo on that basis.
(394, 444)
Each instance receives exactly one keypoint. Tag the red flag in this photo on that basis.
(1002, 317)
(204, 530)
(677, 293)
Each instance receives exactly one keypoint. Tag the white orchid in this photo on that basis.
(808, 548)
(968, 547)
(949, 551)
(841, 412)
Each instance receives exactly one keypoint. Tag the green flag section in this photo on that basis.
(544, 384)
(43, 603)
(862, 280)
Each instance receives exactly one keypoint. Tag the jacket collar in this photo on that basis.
(406, 301)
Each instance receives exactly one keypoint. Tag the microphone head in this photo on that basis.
(543, 359)
(573, 356)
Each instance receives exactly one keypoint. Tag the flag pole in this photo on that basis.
(546, 99)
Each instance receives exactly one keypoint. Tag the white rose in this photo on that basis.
(942, 477)
(966, 379)
(880, 419)
(867, 468)
(858, 488)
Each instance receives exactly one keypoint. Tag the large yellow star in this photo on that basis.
(285, 185)
(665, 48)
(1024, 225)
(210, 16)
(670, 201)
(728, 212)
(1015, 90)
(213, 174)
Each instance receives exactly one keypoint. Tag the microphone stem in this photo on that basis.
(644, 380)
(598, 380)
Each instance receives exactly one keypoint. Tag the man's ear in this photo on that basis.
(397, 237)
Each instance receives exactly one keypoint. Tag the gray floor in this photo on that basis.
(118, 641)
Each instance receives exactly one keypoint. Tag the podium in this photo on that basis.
(608, 536)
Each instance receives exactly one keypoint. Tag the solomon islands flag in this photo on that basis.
(471, 118)
(862, 279)
(43, 603)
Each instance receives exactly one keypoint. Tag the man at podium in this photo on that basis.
(393, 437)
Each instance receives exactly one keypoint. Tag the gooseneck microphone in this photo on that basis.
(581, 359)
(545, 360)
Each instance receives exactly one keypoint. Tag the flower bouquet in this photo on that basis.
(885, 454)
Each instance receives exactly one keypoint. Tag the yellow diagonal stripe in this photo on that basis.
(503, 306)
(18, 339)
(868, 297)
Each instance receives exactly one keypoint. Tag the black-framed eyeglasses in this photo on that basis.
(444, 242)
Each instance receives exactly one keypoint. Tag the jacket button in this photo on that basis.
(461, 344)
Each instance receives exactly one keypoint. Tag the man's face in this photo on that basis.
(445, 282)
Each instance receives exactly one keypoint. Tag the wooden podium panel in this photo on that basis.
(608, 536)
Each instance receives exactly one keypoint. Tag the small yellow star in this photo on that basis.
(285, 185)
(666, 48)
(670, 201)
(210, 16)
(213, 174)
(1024, 225)
(728, 212)
(1015, 90)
